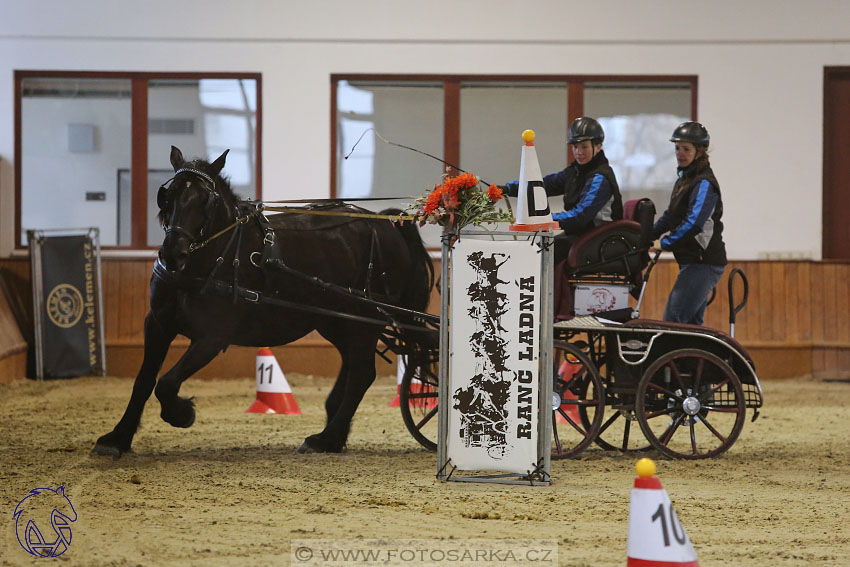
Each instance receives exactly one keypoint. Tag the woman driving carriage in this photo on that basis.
(692, 227)
(588, 184)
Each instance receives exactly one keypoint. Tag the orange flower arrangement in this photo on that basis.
(460, 201)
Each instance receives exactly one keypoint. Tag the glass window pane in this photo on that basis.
(638, 120)
(492, 119)
(75, 138)
(203, 118)
(410, 114)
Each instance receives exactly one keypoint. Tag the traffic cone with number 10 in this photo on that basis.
(656, 536)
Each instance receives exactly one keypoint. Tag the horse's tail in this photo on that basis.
(417, 295)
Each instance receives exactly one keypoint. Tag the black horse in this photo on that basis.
(227, 275)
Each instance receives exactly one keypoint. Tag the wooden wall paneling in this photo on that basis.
(745, 328)
(111, 282)
(828, 287)
(817, 303)
(124, 305)
(804, 302)
(842, 287)
(754, 301)
(778, 301)
(791, 300)
(762, 286)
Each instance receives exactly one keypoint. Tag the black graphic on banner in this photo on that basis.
(70, 329)
(483, 405)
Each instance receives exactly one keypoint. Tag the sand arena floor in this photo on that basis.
(231, 490)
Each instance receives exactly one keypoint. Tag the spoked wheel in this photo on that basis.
(619, 430)
(690, 405)
(418, 402)
(578, 401)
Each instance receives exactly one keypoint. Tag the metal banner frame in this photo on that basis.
(35, 238)
(541, 244)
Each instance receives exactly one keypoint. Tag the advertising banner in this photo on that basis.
(67, 304)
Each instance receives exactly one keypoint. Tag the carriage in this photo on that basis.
(223, 277)
(620, 381)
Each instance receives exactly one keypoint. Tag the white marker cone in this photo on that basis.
(656, 536)
(416, 387)
(533, 212)
(565, 373)
(399, 375)
(273, 392)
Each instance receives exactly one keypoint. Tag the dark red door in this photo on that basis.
(836, 163)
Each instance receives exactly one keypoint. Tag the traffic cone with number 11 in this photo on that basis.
(656, 536)
(273, 392)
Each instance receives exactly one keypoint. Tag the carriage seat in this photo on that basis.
(614, 253)
(618, 247)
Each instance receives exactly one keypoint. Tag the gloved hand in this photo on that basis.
(558, 217)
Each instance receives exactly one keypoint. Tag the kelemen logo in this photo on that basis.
(65, 305)
(51, 509)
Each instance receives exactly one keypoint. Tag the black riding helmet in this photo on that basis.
(692, 132)
(585, 128)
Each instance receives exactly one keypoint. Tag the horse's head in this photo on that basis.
(188, 206)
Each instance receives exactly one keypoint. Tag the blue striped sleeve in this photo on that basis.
(700, 207)
(594, 196)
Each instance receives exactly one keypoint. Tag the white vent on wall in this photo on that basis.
(80, 138)
(171, 126)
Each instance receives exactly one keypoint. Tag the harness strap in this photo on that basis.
(253, 296)
(218, 262)
(298, 211)
(271, 250)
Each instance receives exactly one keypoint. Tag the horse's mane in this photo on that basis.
(222, 186)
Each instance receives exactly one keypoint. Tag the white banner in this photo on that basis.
(494, 366)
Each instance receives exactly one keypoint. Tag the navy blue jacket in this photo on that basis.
(591, 194)
(692, 220)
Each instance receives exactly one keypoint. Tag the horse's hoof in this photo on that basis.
(107, 447)
(314, 444)
(107, 451)
(179, 413)
(305, 449)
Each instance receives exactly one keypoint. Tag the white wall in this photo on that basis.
(760, 67)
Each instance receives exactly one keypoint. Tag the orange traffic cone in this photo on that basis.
(533, 212)
(565, 373)
(273, 392)
(416, 387)
(396, 402)
(656, 536)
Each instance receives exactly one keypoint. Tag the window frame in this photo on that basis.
(138, 136)
(451, 108)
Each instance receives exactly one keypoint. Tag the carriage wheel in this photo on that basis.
(619, 430)
(578, 401)
(418, 402)
(690, 404)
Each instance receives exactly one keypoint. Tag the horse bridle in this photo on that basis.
(209, 208)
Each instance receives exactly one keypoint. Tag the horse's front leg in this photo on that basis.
(358, 355)
(157, 341)
(176, 410)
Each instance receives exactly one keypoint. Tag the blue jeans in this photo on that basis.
(689, 295)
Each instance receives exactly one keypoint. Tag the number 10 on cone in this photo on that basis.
(656, 536)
